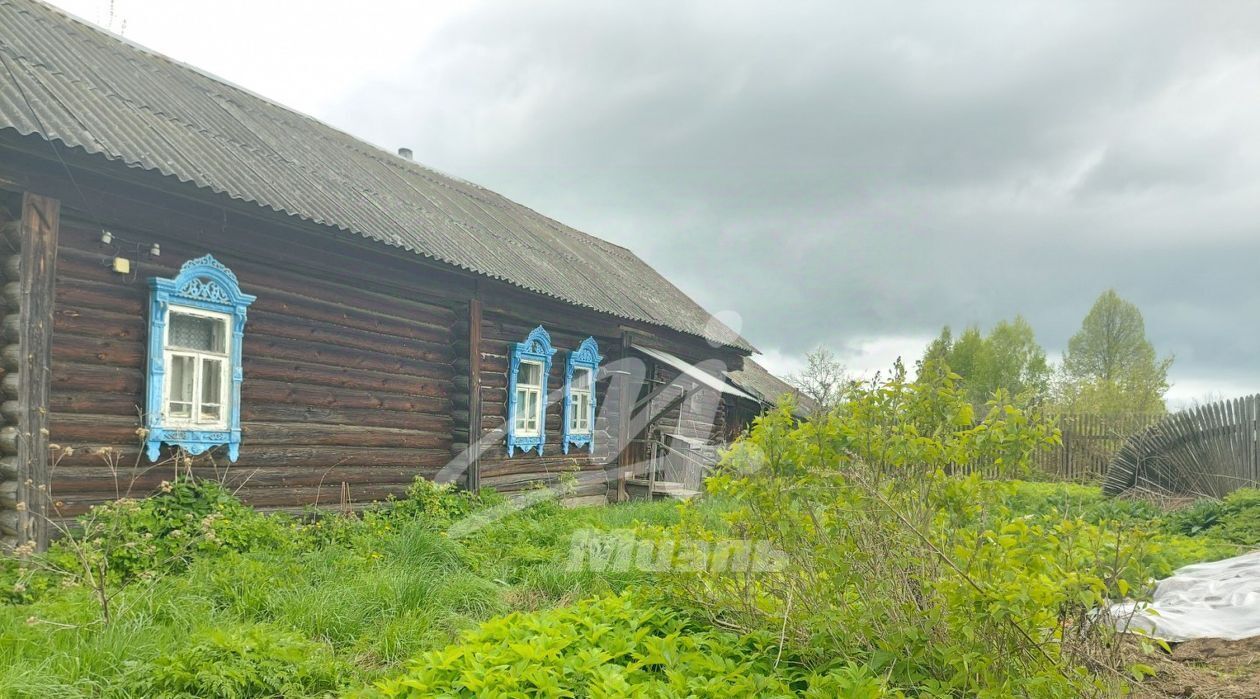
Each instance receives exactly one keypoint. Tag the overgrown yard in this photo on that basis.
(894, 576)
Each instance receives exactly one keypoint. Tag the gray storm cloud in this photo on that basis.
(835, 171)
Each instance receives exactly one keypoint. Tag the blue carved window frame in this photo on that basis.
(202, 284)
(536, 348)
(585, 357)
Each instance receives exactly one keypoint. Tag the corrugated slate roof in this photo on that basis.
(78, 84)
(769, 388)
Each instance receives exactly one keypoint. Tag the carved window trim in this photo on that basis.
(204, 285)
(536, 348)
(585, 357)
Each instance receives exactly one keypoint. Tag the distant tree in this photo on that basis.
(824, 379)
(938, 350)
(1110, 366)
(1008, 358)
(1013, 360)
(967, 354)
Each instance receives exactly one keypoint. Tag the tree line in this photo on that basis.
(1109, 366)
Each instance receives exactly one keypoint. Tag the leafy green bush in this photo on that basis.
(1241, 523)
(163, 532)
(615, 647)
(244, 662)
(898, 561)
(1234, 519)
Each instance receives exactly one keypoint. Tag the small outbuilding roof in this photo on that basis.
(767, 387)
(66, 80)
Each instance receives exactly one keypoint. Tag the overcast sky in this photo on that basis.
(846, 174)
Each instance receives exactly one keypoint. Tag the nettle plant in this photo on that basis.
(901, 556)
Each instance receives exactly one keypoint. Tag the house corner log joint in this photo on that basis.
(28, 264)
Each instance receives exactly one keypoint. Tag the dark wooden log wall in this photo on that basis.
(357, 361)
(342, 385)
(498, 331)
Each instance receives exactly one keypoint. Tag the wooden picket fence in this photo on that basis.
(1089, 444)
(1209, 450)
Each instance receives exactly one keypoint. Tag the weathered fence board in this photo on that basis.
(1208, 450)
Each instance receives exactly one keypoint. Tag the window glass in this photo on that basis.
(183, 378)
(582, 380)
(196, 332)
(211, 389)
(530, 375)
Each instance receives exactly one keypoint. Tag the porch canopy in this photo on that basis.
(695, 372)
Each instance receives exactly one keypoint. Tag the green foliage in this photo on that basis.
(616, 647)
(244, 663)
(897, 561)
(1009, 359)
(1110, 367)
(162, 533)
(1235, 519)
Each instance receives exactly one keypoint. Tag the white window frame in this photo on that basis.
(583, 414)
(537, 390)
(225, 368)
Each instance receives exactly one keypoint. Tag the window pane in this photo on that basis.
(531, 374)
(181, 393)
(582, 380)
(580, 419)
(211, 389)
(522, 410)
(197, 333)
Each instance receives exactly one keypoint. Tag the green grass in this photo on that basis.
(343, 603)
(379, 593)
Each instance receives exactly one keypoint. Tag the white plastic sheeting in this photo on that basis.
(1204, 600)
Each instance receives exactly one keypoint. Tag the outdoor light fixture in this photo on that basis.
(155, 250)
(106, 237)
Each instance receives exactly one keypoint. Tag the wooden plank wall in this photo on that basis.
(342, 385)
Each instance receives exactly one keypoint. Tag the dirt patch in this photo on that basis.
(1206, 668)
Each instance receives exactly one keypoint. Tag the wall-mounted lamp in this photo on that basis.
(155, 250)
(106, 237)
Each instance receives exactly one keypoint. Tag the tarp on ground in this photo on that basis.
(1205, 600)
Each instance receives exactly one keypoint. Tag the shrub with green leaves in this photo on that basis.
(616, 647)
(162, 532)
(1235, 519)
(898, 561)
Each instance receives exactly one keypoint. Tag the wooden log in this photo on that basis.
(257, 456)
(8, 494)
(9, 440)
(69, 430)
(12, 292)
(10, 356)
(8, 468)
(100, 480)
(12, 267)
(91, 282)
(40, 222)
(260, 391)
(435, 422)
